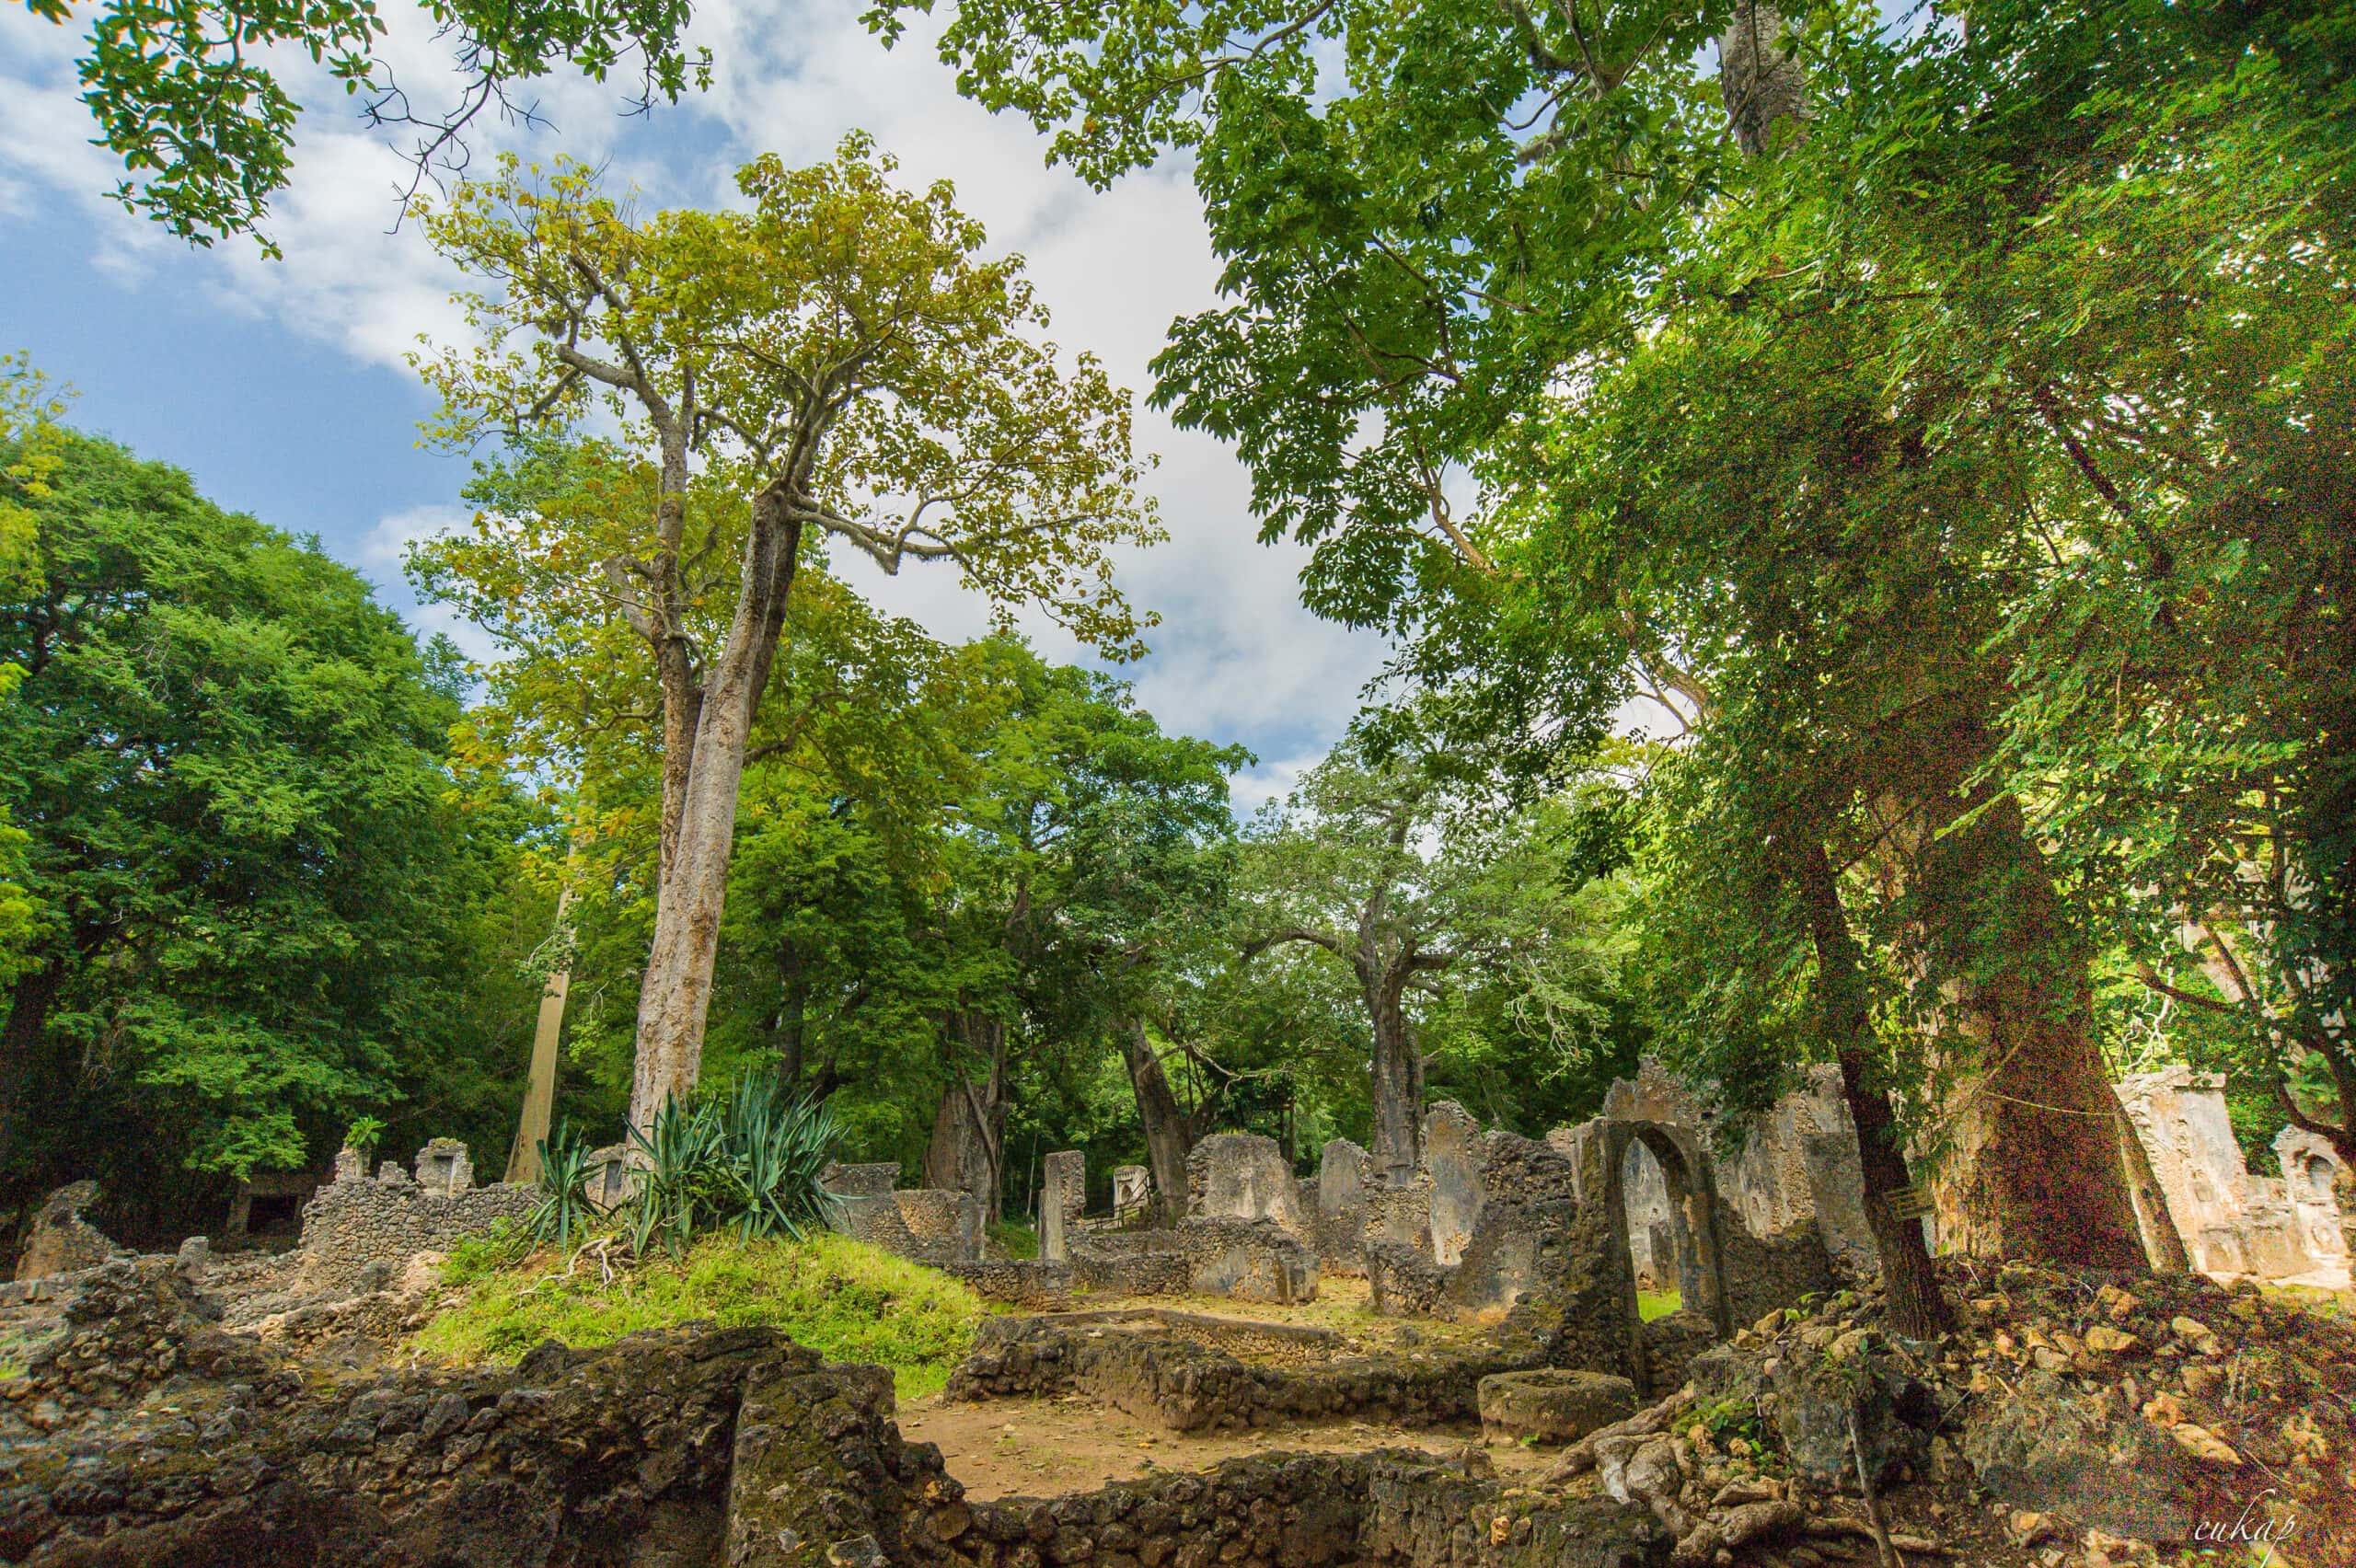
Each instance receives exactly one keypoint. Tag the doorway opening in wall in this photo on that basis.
(1656, 1243)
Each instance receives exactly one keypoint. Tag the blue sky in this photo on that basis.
(279, 385)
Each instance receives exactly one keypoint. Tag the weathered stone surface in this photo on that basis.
(2041, 1446)
(352, 1227)
(1671, 1342)
(1243, 1176)
(61, 1241)
(1063, 1194)
(1453, 1157)
(678, 1450)
(1341, 1206)
(1164, 1375)
(444, 1168)
(2233, 1223)
(1132, 1191)
(1553, 1404)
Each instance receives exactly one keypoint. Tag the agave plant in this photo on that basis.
(751, 1161)
(777, 1152)
(563, 1210)
(678, 1156)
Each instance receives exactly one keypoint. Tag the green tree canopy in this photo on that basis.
(258, 906)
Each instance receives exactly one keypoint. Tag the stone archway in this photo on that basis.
(1693, 1204)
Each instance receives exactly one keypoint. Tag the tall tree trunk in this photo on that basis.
(540, 1086)
(1398, 1079)
(793, 1016)
(1916, 1308)
(675, 995)
(1760, 81)
(1169, 1133)
(2034, 1167)
(968, 1151)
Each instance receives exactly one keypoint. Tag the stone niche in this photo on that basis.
(2234, 1224)
(444, 1168)
(1132, 1192)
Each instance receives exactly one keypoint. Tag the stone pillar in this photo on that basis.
(1341, 1204)
(1063, 1194)
(1452, 1153)
(350, 1165)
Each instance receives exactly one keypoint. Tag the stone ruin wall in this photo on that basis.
(359, 1231)
(2285, 1227)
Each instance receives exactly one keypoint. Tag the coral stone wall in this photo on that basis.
(356, 1234)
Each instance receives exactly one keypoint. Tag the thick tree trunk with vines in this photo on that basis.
(2034, 1168)
(1398, 1079)
(676, 993)
(1916, 1308)
(1169, 1131)
(968, 1151)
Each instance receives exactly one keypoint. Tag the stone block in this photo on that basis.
(1340, 1205)
(1553, 1404)
(1243, 1176)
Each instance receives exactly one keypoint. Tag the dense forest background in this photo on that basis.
(1939, 434)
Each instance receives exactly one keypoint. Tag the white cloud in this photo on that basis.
(1236, 657)
(385, 551)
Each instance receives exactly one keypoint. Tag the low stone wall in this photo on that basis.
(357, 1234)
(680, 1449)
(1254, 1261)
(1370, 1510)
(1761, 1274)
(1161, 1376)
(1403, 1282)
(691, 1449)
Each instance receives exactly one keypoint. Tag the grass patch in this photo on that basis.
(1015, 1238)
(843, 1298)
(1651, 1303)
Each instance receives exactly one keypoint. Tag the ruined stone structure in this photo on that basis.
(357, 1233)
(1132, 1194)
(682, 1449)
(1063, 1197)
(2234, 1224)
(1244, 1176)
(61, 1241)
(268, 1198)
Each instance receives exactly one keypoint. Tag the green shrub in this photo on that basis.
(843, 1298)
(750, 1161)
(564, 1211)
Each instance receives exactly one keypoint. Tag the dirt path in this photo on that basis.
(1042, 1448)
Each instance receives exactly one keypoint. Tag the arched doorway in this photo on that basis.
(1663, 1204)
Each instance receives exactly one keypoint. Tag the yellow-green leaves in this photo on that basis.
(843, 342)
